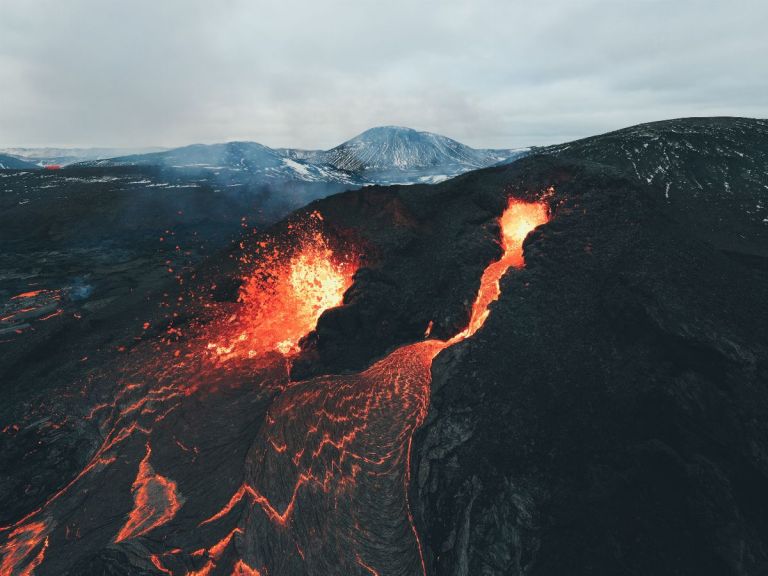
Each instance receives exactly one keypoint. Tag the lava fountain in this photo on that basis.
(281, 299)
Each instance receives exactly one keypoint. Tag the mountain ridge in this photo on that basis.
(709, 173)
(380, 155)
(10, 162)
(65, 156)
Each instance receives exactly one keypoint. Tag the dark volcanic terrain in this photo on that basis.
(609, 417)
(710, 173)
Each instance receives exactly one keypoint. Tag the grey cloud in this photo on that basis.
(311, 73)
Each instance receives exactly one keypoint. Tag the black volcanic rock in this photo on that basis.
(708, 173)
(430, 246)
(610, 416)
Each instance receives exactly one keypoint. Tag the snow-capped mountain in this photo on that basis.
(249, 158)
(384, 155)
(389, 154)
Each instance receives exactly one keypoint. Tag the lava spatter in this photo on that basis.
(307, 279)
(282, 298)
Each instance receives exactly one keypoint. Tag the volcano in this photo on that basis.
(540, 368)
(325, 446)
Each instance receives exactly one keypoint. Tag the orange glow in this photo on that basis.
(157, 563)
(214, 554)
(329, 446)
(516, 222)
(155, 501)
(23, 542)
(335, 437)
(242, 569)
(283, 298)
(30, 294)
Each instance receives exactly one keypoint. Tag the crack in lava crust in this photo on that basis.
(327, 460)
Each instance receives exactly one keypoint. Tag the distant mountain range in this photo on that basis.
(383, 155)
(234, 159)
(8, 162)
(64, 156)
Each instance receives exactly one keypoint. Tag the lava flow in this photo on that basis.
(273, 477)
(156, 501)
(516, 222)
(327, 479)
(283, 294)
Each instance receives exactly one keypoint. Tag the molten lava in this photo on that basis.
(25, 549)
(283, 299)
(336, 450)
(309, 284)
(516, 222)
(156, 500)
(325, 485)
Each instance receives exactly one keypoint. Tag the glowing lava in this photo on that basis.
(325, 485)
(334, 455)
(25, 549)
(516, 222)
(332, 459)
(282, 300)
(156, 500)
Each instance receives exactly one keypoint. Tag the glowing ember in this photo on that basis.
(156, 500)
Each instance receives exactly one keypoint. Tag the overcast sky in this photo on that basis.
(312, 73)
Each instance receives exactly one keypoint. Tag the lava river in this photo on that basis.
(212, 461)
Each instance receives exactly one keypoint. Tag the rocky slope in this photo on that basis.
(709, 173)
(610, 416)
